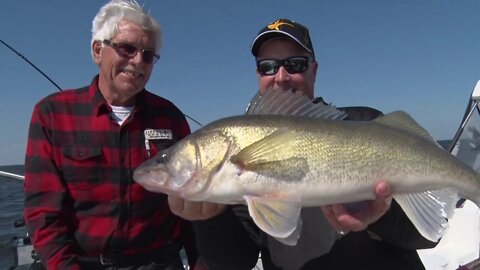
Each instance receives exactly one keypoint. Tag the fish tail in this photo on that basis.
(471, 193)
(476, 197)
(429, 211)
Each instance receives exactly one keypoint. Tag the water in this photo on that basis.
(11, 205)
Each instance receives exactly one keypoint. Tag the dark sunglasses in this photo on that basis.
(129, 51)
(293, 65)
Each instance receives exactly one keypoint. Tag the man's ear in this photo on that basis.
(315, 67)
(96, 51)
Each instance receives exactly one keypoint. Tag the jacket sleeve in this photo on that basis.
(47, 203)
(229, 240)
(188, 241)
(396, 229)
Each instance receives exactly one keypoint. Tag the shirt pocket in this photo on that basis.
(82, 164)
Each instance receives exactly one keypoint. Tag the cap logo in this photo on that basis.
(276, 24)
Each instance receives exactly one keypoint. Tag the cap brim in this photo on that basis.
(260, 39)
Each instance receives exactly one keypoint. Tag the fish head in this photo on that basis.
(169, 170)
(184, 169)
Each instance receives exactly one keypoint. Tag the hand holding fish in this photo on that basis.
(190, 210)
(357, 216)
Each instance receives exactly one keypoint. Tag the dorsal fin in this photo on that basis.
(402, 120)
(280, 102)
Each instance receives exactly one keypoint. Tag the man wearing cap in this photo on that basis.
(365, 235)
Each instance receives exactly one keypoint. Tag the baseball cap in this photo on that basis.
(283, 28)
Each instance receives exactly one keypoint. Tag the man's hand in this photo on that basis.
(357, 216)
(194, 210)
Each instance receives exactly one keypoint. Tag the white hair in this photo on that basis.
(105, 24)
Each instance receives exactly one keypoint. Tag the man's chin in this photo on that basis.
(128, 89)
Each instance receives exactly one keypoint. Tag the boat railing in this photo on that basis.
(12, 175)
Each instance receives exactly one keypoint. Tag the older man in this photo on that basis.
(82, 208)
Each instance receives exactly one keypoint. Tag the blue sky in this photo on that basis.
(421, 56)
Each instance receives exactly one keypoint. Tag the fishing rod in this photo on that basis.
(31, 64)
(50, 80)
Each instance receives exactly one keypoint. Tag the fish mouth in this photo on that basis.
(152, 176)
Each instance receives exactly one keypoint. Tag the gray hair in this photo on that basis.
(105, 23)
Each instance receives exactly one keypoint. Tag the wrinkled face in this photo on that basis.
(280, 49)
(121, 78)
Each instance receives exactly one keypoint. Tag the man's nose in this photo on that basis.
(137, 58)
(282, 75)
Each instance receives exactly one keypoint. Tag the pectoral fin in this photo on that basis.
(274, 156)
(292, 239)
(429, 211)
(279, 219)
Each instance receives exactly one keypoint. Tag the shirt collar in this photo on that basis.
(319, 100)
(100, 106)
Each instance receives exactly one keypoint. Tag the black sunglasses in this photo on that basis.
(129, 51)
(293, 65)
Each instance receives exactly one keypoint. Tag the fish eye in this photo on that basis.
(162, 158)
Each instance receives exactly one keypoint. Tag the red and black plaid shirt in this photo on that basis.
(80, 198)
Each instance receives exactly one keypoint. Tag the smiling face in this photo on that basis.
(121, 78)
(280, 49)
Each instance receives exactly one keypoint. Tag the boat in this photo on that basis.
(459, 247)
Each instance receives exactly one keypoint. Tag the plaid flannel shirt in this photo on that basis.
(80, 198)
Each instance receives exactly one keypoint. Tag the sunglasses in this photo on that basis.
(130, 51)
(293, 65)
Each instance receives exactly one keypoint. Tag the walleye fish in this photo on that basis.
(287, 152)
